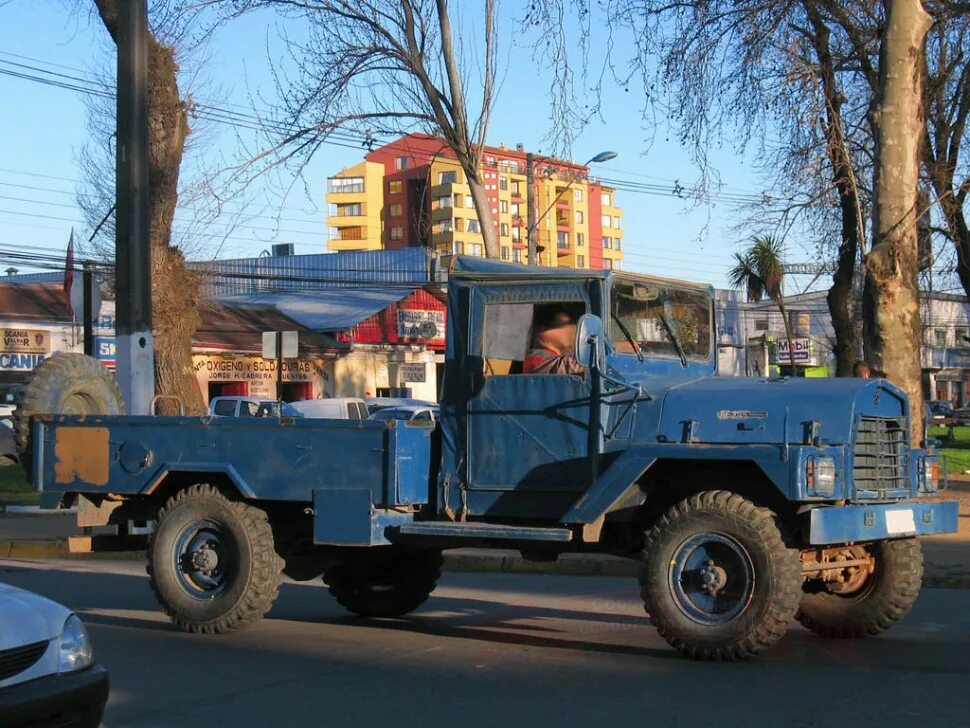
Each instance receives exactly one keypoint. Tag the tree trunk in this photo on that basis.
(175, 290)
(839, 297)
(891, 300)
(484, 210)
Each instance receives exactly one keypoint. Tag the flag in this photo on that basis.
(69, 272)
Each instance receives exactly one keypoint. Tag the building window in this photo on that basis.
(607, 243)
(354, 210)
(616, 222)
(562, 239)
(474, 226)
(580, 240)
(939, 336)
(515, 189)
(606, 221)
(961, 333)
(445, 178)
(606, 200)
(401, 163)
(395, 187)
(580, 261)
(516, 256)
(460, 224)
(616, 243)
(339, 185)
(579, 217)
(503, 183)
(516, 235)
(473, 249)
(445, 226)
(505, 253)
(490, 160)
(397, 233)
(578, 194)
(607, 263)
(397, 209)
(470, 202)
(504, 229)
(503, 206)
(444, 201)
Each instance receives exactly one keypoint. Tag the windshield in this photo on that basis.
(659, 317)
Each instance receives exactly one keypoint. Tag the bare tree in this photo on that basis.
(380, 67)
(175, 290)
(891, 301)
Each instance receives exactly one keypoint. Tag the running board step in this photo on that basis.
(448, 529)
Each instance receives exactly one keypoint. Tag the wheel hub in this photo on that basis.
(205, 559)
(713, 578)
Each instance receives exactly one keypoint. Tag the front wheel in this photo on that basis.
(212, 561)
(865, 600)
(718, 580)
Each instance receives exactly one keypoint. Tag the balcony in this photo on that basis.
(448, 188)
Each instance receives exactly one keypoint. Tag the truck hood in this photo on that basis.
(744, 410)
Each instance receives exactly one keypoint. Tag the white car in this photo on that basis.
(410, 413)
(47, 671)
(334, 408)
(247, 407)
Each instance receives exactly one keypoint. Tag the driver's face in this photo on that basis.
(561, 335)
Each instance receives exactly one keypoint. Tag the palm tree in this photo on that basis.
(759, 270)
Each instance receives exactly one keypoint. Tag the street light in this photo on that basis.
(533, 220)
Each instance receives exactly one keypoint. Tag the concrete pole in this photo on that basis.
(135, 352)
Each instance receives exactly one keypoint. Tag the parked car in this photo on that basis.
(248, 407)
(940, 412)
(376, 404)
(336, 408)
(414, 413)
(8, 449)
(48, 675)
(961, 415)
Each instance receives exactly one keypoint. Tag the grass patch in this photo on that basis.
(955, 448)
(14, 488)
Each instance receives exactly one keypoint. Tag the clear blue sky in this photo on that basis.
(43, 127)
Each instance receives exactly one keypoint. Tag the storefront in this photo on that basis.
(221, 375)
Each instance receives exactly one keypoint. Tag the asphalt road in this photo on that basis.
(497, 650)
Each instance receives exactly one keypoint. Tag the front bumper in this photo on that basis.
(872, 522)
(70, 699)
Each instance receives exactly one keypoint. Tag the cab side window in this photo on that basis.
(510, 333)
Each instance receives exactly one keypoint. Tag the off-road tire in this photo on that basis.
(385, 582)
(886, 597)
(774, 587)
(67, 383)
(254, 583)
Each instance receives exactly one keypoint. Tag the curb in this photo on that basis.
(34, 510)
(457, 560)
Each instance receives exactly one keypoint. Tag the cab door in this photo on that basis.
(527, 436)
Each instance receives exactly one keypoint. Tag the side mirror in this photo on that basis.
(589, 340)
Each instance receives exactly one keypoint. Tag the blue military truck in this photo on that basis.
(749, 502)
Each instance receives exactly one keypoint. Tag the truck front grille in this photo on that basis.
(880, 458)
(18, 659)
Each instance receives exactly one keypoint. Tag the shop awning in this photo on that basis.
(337, 309)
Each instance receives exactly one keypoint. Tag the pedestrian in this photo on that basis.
(862, 369)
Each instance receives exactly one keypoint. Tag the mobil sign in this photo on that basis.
(801, 350)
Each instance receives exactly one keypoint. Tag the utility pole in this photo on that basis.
(88, 308)
(135, 352)
(530, 203)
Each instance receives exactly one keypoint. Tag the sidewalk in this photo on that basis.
(33, 536)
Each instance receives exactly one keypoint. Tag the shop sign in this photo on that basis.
(414, 373)
(25, 341)
(804, 352)
(420, 324)
(20, 362)
(260, 374)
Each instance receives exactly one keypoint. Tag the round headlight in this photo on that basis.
(75, 646)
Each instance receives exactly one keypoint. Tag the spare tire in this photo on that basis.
(65, 384)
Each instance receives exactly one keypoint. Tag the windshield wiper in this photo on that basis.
(629, 337)
(670, 331)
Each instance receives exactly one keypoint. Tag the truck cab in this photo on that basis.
(749, 502)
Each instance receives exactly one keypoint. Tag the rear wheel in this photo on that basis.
(718, 580)
(65, 384)
(864, 600)
(212, 561)
(385, 582)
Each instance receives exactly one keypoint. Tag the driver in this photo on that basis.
(555, 331)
